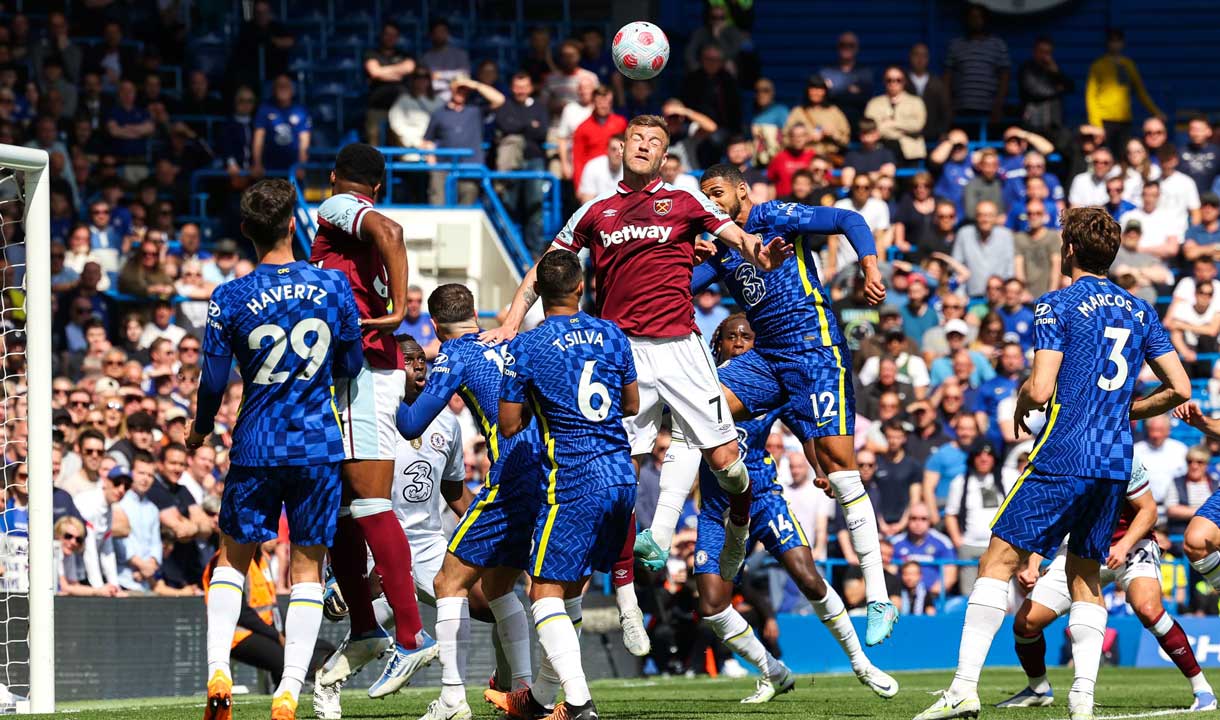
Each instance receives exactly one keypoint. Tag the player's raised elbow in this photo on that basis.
(1180, 386)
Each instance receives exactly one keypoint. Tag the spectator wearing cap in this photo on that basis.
(222, 266)
(91, 447)
(871, 158)
(900, 117)
(1190, 329)
(1200, 155)
(973, 501)
(1161, 229)
(977, 69)
(985, 248)
(1112, 79)
(898, 479)
(709, 312)
(977, 369)
(139, 553)
(829, 132)
(1017, 316)
(1164, 457)
(927, 434)
(1116, 204)
(986, 185)
(139, 439)
(1179, 195)
(1089, 187)
(282, 131)
(1203, 238)
(97, 507)
(917, 316)
(1190, 489)
(795, 156)
(927, 546)
(1036, 252)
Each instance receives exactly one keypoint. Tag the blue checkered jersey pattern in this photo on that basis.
(286, 325)
(788, 308)
(1105, 335)
(752, 440)
(571, 370)
(474, 370)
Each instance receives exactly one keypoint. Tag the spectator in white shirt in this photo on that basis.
(1089, 187)
(1162, 229)
(601, 175)
(97, 507)
(1179, 193)
(810, 506)
(1203, 271)
(672, 174)
(70, 552)
(1188, 325)
(222, 266)
(1164, 458)
(839, 253)
(198, 478)
(573, 114)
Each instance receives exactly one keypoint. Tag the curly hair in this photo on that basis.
(1094, 235)
(714, 342)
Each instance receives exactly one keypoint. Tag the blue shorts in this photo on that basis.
(771, 523)
(572, 539)
(1210, 510)
(254, 497)
(495, 531)
(812, 388)
(1041, 509)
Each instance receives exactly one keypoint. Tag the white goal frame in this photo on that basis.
(37, 230)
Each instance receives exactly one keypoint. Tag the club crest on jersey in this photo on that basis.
(438, 441)
(662, 206)
(701, 557)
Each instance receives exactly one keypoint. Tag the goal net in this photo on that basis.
(27, 582)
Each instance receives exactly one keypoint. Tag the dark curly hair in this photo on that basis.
(1094, 235)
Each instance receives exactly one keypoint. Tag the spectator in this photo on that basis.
(850, 84)
(418, 324)
(985, 249)
(263, 46)
(1017, 316)
(139, 554)
(447, 61)
(563, 86)
(768, 119)
(57, 44)
(1107, 94)
(1203, 238)
(161, 325)
(672, 174)
(1089, 188)
(827, 126)
(949, 461)
(537, 60)
(641, 99)
(1164, 457)
(871, 158)
(900, 117)
(917, 316)
(973, 501)
(91, 447)
(70, 555)
(459, 125)
(952, 157)
(977, 69)
(222, 266)
(1042, 86)
(200, 99)
(886, 381)
(521, 128)
(713, 91)
(1188, 325)
(1033, 165)
(179, 512)
(1190, 490)
(595, 57)
(282, 131)
(602, 174)
(1200, 156)
(709, 312)
(985, 186)
(386, 67)
(112, 59)
(932, 90)
(573, 114)
(1010, 371)
(193, 311)
(198, 477)
(408, 117)
(129, 125)
(1179, 195)
(898, 479)
(593, 135)
(1116, 205)
(237, 136)
(97, 508)
(909, 367)
(840, 255)
(915, 598)
(1137, 169)
(63, 278)
(718, 30)
(1145, 269)
(1036, 252)
(1202, 273)
(796, 155)
(144, 273)
(1161, 230)
(927, 546)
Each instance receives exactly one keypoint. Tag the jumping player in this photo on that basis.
(1135, 564)
(1090, 338)
(367, 247)
(773, 525)
(641, 240)
(800, 365)
(577, 375)
(291, 326)
(492, 540)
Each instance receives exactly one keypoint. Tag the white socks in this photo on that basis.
(452, 613)
(678, 474)
(1087, 626)
(384, 613)
(557, 635)
(1209, 568)
(862, 526)
(300, 636)
(624, 597)
(834, 616)
(984, 614)
(224, 607)
(513, 630)
(736, 633)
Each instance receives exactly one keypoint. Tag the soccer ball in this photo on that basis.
(640, 50)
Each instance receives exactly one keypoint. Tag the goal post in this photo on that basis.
(33, 189)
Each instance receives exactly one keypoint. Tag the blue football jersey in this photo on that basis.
(788, 308)
(284, 324)
(1105, 335)
(752, 440)
(474, 371)
(571, 370)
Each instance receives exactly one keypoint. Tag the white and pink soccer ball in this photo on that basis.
(640, 50)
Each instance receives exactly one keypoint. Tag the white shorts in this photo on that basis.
(1052, 590)
(426, 559)
(678, 373)
(368, 406)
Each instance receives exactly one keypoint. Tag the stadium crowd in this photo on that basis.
(967, 231)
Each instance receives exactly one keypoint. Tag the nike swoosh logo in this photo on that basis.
(784, 540)
(824, 423)
(958, 704)
(887, 688)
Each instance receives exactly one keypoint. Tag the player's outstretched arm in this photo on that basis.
(1193, 414)
(387, 236)
(815, 220)
(412, 420)
(1174, 389)
(523, 300)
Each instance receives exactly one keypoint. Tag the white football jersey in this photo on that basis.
(420, 465)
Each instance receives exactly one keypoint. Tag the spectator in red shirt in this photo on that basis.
(591, 136)
(795, 156)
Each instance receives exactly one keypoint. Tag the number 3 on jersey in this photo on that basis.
(1120, 336)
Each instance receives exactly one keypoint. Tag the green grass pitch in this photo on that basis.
(1121, 693)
